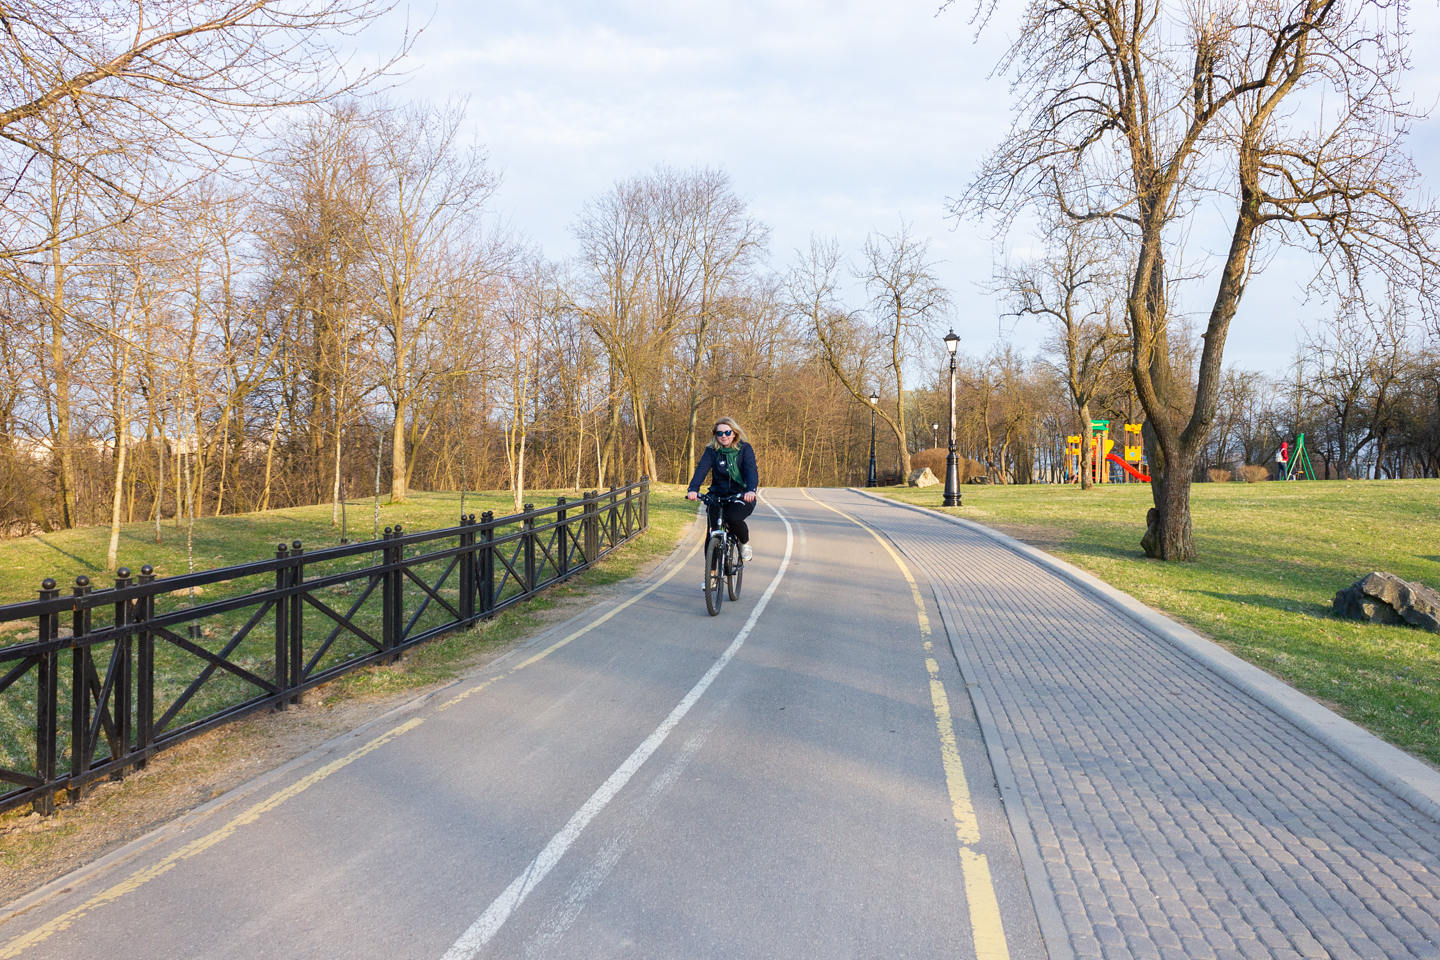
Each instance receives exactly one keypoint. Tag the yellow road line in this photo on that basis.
(144, 875)
(139, 878)
(985, 926)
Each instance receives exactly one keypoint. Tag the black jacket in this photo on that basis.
(722, 485)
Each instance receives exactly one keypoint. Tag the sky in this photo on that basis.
(835, 119)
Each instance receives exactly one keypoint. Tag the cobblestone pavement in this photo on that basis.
(1172, 814)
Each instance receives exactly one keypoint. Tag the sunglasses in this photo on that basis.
(723, 433)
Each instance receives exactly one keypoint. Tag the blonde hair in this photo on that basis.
(714, 443)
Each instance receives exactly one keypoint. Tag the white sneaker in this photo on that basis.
(746, 553)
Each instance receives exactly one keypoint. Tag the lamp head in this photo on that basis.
(874, 398)
(952, 342)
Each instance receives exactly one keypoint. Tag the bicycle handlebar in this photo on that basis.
(712, 498)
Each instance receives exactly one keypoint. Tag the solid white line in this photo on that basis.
(473, 940)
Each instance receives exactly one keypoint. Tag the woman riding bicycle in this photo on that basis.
(731, 461)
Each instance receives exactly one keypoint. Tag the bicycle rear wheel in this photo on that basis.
(714, 575)
(734, 571)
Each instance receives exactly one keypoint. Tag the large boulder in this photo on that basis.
(1385, 598)
(922, 478)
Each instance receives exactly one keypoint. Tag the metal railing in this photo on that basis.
(108, 677)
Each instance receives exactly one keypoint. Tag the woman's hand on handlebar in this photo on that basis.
(691, 495)
(749, 496)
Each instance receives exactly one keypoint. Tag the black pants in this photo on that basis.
(735, 514)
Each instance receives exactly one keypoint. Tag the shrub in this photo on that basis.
(934, 458)
(1218, 475)
(1254, 472)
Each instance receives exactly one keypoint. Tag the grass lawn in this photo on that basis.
(1271, 557)
(222, 541)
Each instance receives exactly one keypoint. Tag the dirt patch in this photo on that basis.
(1038, 535)
(35, 850)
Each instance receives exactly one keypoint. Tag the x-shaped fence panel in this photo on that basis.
(107, 677)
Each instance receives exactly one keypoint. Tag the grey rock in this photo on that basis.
(1385, 598)
(922, 478)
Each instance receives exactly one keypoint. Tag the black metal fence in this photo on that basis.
(108, 677)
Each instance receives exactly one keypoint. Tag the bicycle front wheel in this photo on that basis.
(714, 575)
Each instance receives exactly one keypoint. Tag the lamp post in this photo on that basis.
(870, 475)
(952, 463)
(934, 435)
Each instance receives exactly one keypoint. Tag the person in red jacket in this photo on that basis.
(730, 459)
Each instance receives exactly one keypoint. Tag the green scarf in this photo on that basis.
(731, 457)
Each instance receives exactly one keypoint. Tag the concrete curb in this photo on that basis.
(1406, 776)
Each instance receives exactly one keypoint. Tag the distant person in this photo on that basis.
(730, 460)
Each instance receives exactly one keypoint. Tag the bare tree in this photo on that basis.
(726, 242)
(1076, 290)
(430, 189)
(1144, 115)
(1356, 364)
(617, 256)
(171, 80)
(907, 300)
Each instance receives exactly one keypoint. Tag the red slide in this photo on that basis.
(1142, 477)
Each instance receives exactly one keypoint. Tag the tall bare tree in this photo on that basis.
(176, 81)
(430, 188)
(726, 242)
(1077, 291)
(1146, 115)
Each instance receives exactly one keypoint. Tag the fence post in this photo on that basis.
(613, 519)
(297, 620)
(82, 750)
(467, 568)
(645, 503)
(47, 709)
(487, 562)
(387, 591)
(144, 612)
(282, 626)
(527, 525)
(122, 691)
(397, 591)
(562, 540)
(592, 526)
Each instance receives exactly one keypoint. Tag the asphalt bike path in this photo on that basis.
(1168, 800)
(801, 776)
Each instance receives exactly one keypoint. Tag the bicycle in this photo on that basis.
(723, 562)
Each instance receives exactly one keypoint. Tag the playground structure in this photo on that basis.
(1101, 455)
(1293, 464)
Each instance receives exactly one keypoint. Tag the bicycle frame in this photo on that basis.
(723, 565)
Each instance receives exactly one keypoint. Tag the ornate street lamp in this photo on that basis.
(952, 463)
(870, 476)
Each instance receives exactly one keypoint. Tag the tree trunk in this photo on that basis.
(646, 452)
(270, 461)
(1167, 524)
(1087, 441)
(397, 455)
(122, 427)
(335, 484)
(64, 441)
